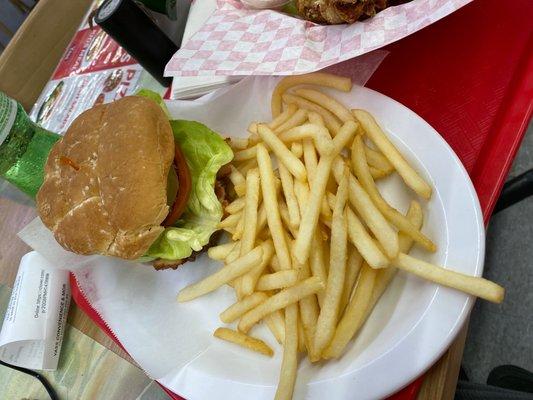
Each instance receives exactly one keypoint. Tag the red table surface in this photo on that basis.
(470, 76)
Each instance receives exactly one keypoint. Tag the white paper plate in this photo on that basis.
(414, 322)
(412, 325)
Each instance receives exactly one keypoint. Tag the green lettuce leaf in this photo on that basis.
(206, 152)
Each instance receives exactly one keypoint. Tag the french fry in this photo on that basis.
(270, 202)
(364, 176)
(308, 308)
(276, 324)
(221, 251)
(293, 164)
(369, 213)
(277, 280)
(244, 155)
(353, 267)
(310, 214)
(364, 243)
(289, 365)
(317, 78)
(319, 134)
(284, 213)
(309, 218)
(280, 300)
(331, 122)
(311, 163)
(329, 312)
(354, 313)
(479, 287)
(385, 275)
(310, 159)
(254, 137)
(234, 253)
(224, 275)
(229, 229)
(249, 281)
(345, 134)
(237, 309)
(315, 118)
(298, 118)
(274, 264)
(252, 128)
(235, 206)
(230, 220)
(244, 167)
(287, 185)
(360, 238)
(237, 178)
(317, 264)
(237, 143)
(261, 219)
(377, 160)
(301, 191)
(250, 211)
(239, 228)
(240, 189)
(367, 292)
(378, 173)
(408, 174)
(324, 233)
(284, 116)
(297, 149)
(302, 343)
(243, 340)
(329, 103)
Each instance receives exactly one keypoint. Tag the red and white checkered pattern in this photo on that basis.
(239, 41)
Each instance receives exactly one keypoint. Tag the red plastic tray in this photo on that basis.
(470, 76)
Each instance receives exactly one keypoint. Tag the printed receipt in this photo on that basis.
(35, 319)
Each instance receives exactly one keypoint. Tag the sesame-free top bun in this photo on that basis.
(105, 182)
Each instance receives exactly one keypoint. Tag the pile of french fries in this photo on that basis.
(314, 244)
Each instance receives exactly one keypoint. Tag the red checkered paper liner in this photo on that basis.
(239, 41)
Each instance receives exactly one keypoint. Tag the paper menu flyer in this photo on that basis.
(34, 322)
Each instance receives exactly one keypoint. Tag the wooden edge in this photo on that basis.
(441, 379)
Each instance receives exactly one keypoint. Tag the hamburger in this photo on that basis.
(127, 182)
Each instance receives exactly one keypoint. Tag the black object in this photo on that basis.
(515, 190)
(480, 391)
(511, 377)
(133, 29)
(49, 389)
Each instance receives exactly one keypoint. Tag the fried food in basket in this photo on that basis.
(341, 11)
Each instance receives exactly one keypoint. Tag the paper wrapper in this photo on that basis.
(34, 323)
(239, 41)
(173, 341)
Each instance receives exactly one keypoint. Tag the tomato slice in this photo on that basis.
(184, 191)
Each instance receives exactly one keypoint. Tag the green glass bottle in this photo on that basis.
(24, 147)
